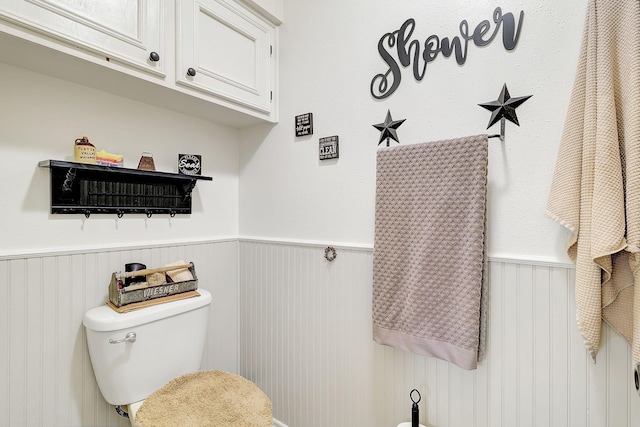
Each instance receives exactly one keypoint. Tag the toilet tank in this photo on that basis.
(169, 342)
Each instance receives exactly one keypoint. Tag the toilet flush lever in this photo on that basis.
(130, 337)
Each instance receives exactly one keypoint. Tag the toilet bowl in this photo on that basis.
(138, 353)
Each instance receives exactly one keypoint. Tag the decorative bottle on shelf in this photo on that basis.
(146, 162)
(84, 151)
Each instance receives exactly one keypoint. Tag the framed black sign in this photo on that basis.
(304, 124)
(190, 164)
(329, 148)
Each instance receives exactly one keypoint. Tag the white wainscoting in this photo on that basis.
(46, 378)
(305, 339)
(304, 328)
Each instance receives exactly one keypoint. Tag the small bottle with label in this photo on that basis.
(84, 151)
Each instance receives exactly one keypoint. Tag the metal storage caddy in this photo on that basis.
(120, 296)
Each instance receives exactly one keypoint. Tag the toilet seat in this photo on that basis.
(207, 398)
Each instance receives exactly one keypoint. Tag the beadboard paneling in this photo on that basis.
(46, 378)
(306, 340)
(304, 328)
(300, 323)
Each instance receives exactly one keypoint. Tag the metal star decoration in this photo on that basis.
(504, 107)
(388, 129)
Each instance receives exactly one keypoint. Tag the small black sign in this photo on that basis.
(190, 164)
(304, 124)
(329, 148)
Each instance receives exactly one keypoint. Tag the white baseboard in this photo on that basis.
(277, 423)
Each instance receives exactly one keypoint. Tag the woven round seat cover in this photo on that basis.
(203, 399)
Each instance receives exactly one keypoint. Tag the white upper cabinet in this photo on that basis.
(126, 31)
(215, 59)
(225, 49)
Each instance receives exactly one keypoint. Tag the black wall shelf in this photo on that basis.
(78, 188)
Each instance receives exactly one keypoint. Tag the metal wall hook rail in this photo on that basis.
(79, 188)
(90, 211)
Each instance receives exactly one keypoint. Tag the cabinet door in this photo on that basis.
(229, 51)
(126, 31)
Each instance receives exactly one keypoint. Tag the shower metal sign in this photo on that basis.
(399, 49)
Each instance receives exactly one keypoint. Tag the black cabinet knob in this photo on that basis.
(154, 56)
(191, 72)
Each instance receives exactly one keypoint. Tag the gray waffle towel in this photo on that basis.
(429, 264)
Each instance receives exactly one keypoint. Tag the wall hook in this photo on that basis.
(501, 134)
(388, 129)
(504, 108)
(330, 253)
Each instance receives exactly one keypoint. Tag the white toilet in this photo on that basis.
(134, 354)
(139, 355)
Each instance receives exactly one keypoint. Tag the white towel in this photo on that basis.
(595, 190)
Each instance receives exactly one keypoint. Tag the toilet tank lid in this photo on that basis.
(104, 318)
